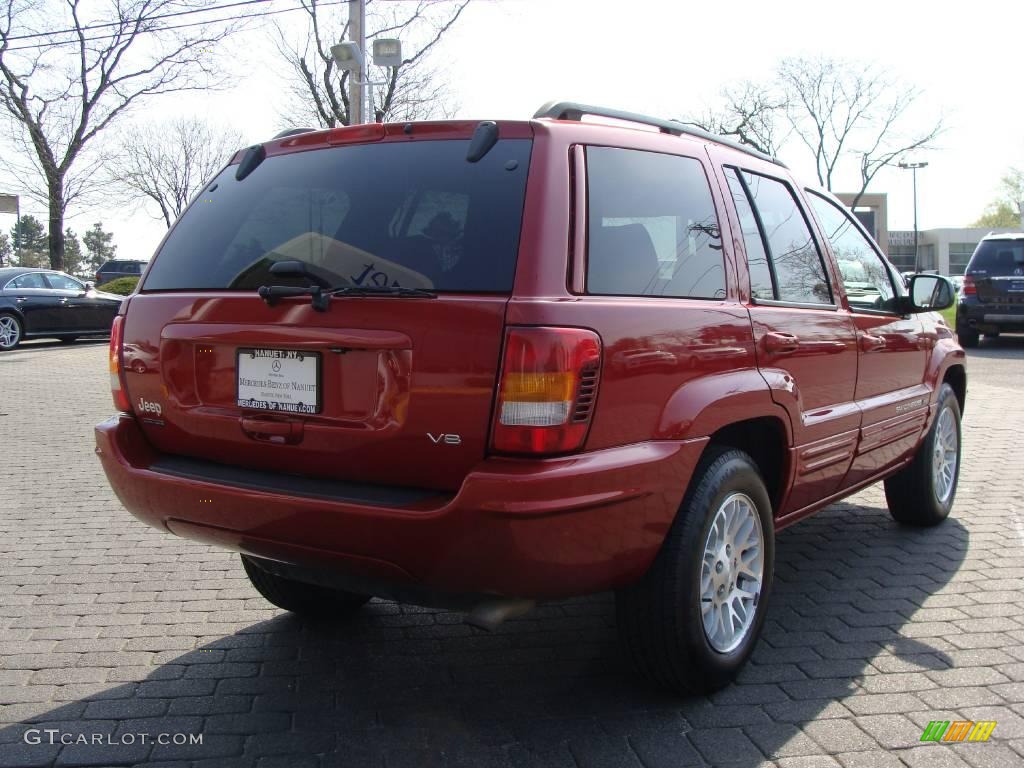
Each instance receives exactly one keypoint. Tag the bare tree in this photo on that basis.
(169, 164)
(838, 108)
(69, 70)
(749, 112)
(835, 109)
(415, 90)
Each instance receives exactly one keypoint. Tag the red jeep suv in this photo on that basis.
(483, 364)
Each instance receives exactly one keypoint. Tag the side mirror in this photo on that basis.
(930, 293)
(90, 285)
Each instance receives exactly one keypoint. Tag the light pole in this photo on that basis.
(913, 168)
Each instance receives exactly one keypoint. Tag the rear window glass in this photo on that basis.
(652, 228)
(415, 215)
(998, 258)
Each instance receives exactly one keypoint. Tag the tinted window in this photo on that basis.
(64, 283)
(33, 280)
(866, 279)
(757, 260)
(998, 258)
(799, 272)
(652, 227)
(409, 214)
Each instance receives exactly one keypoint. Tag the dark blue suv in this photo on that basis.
(992, 297)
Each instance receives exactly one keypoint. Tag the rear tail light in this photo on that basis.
(117, 388)
(969, 288)
(548, 387)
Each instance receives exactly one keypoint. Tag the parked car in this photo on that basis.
(115, 268)
(38, 303)
(486, 364)
(991, 300)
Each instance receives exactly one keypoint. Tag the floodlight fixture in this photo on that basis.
(348, 56)
(387, 52)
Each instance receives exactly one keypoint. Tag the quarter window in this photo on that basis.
(867, 282)
(795, 259)
(652, 226)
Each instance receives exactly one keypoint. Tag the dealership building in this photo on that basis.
(945, 250)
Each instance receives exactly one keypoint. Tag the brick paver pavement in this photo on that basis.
(109, 628)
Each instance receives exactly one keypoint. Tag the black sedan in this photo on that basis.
(38, 303)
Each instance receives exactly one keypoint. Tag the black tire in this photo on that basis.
(11, 331)
(967, 336)
(911, 493)
(660, 620)
(310, 600)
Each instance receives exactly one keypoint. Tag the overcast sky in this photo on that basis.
(507, 57)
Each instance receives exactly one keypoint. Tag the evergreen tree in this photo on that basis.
(72, 253)
(29, 240)
(98, 245)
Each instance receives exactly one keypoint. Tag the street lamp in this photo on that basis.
(913, 168)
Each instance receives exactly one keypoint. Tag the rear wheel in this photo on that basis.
(692, 621)
(10, 331)
(299, 597)
(922, 493)
(967, 336)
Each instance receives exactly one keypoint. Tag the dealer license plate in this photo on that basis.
(279, 380)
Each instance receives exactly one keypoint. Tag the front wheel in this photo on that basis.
(10, 331)
(921, 494)
(693, 620)
(310, 600)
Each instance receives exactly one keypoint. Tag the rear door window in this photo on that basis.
(652, 226)
(32, 280)
(412, 214)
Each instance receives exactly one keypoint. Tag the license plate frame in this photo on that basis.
(291, 371)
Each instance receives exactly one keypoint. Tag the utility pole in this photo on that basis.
(357, 34)
(913, 168)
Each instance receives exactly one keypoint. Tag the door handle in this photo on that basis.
(869, 343)
(272, 430)
(778, 343)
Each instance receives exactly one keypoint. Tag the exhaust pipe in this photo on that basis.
(490, 614)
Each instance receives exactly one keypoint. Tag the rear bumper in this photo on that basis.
(526, 528)
(991, 317)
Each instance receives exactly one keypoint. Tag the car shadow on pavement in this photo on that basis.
(418, 687)
(1005, 346)
(31, 347)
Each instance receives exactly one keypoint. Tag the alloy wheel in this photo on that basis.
(945, 456)
(10, 332)
(732, 573)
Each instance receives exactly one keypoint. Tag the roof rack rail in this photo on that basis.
(571, 110)
(292, 132)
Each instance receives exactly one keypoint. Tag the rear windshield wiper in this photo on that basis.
(321, 298)
(381, 290)
(271, 294)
